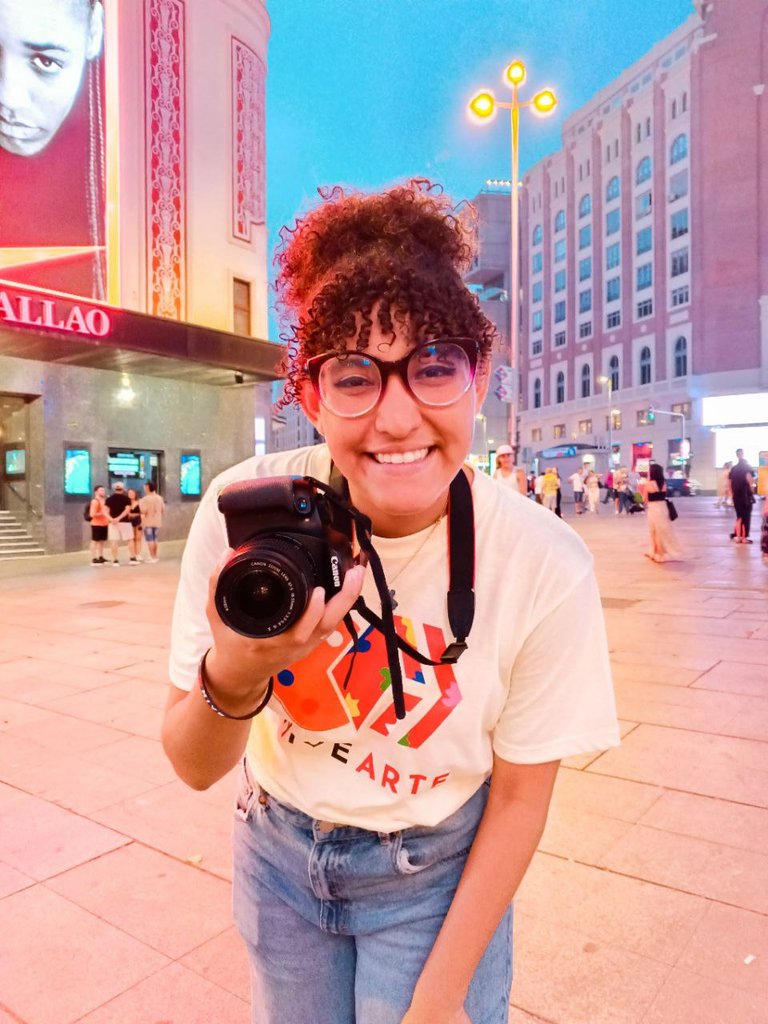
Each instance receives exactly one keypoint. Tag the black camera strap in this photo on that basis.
(461, 594)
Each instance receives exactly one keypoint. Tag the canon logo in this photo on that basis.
(335, 571)
(34, 311)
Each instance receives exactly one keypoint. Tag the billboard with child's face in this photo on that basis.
(53, 145)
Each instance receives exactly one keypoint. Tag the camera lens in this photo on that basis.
(265, 588)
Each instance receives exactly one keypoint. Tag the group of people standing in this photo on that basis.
(124, 517)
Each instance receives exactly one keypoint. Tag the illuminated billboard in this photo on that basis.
(53, 144)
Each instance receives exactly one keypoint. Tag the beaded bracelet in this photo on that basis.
(203, 681)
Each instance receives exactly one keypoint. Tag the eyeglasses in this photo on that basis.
(437, 373)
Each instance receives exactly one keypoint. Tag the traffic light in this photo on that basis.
(650, 416)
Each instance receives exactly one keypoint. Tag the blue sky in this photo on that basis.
(366, 92)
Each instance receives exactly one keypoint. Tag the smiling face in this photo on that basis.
(44, 48)
(401, 457)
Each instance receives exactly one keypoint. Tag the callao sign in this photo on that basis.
(39, 310)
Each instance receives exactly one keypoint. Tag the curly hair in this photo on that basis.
(401, 250)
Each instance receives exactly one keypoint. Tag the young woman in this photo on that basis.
(134, 518)
(505, 470)
(663, 545)
(376, 857)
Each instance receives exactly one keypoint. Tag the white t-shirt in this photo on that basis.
(533, 686)
(577, 481)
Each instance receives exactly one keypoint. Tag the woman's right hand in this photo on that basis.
(238, 668)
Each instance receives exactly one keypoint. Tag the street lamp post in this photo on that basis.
(609, 384)
(483, 107)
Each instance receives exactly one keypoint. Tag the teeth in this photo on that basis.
(400, 457)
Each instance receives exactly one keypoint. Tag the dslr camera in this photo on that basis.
(289, 534)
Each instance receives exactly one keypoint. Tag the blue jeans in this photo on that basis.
(339, 921)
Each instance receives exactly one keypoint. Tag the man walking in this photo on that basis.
(742, 490)
(118, 504)
(152, 507)
(577, 483)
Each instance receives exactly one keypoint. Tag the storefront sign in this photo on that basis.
(38, 310)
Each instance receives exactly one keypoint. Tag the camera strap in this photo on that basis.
(461, 594)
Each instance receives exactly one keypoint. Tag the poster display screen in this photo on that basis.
(53, 145)
(77, 471)
(190, 479)
(15, 461)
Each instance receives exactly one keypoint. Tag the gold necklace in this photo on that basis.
(417, 552)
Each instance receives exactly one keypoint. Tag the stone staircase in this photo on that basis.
(15, 542)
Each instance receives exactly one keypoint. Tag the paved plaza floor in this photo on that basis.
(647, 902)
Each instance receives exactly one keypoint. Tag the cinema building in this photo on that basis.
(133, 284)
(644, 259)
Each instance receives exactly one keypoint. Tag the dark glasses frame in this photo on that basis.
(397, 367)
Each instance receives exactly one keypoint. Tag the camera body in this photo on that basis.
(288, 538)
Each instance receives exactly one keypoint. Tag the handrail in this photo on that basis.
(31, 510)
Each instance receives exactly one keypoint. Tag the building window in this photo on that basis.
(683, 409)
(644, 276)
(674, 109)
(559, 430)
(644, 240)
(679, 149)
(680, 262)
(681, 357)
(638, 132)
(586, 381)
(536, 434)
(647, 127)
(560, 220)
(559, 250)
(536, 239)
(585, 426)
(613, 319)
(684, 104)
(585, 329)
(560, 387)
(585, 268)
(643, 170)
(612, 289)
(608, 154)
(559, 339)
(678, 185)
(241, 305)
(613, 421)
(679, 223)
(559, 280)
(613, 372)
(645, 365)
(537, 393)
(585, 205)
(615, 147)
(612, 221)
(536, 263)
(680, 296)
(585, 236)
(536, 320)
(644, 308)
(536, 291)
(585, 300)
(613, 256)
(560, 311)
(643, 204)
(612, 190)
(589, 167)
(536, 347)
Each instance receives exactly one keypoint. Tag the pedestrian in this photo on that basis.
(505, 471)
(742, 478)
(134, 518)
(764, 532)
(724, 487)
(532, 486)
(577, 483)
(663, 543)
(98, 515)
(608, 483)
(549, 489)
(559, 502)
(353, 888)
(120, 529)
(620, 490)
(592, 487)
(152, 510)
(538, 487)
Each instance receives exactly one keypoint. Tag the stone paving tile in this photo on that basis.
(52, 981)
(641, 671)
(12, 880)
(17, 755)
(174, 995)
(570, 978)
(133, 889)
(92, 706)
(730, 946)
(735, 677)
(602, 794)
(689, 997)
(719, 821)
(721, 873)
(34, 690)
(135, 755)
(223, 961)
(79, 785)
(733, 769)
(580, 835)
(41, 840)
(14, 714)
(66, 735)
(751, 722)
(678, 706)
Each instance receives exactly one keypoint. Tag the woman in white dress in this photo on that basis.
(663, 543)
